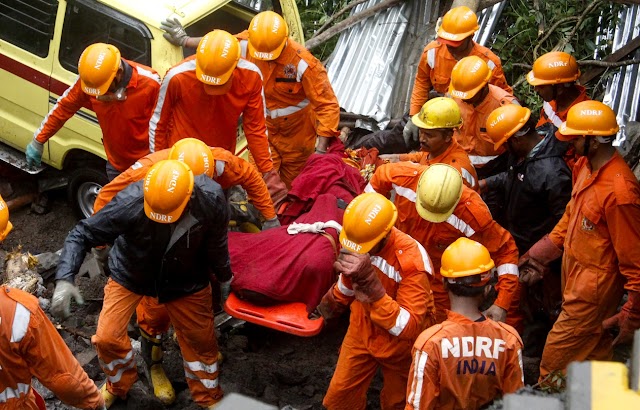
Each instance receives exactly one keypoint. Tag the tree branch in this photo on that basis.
(608, 64)
(566, 40)
(338, 14)
(549, 32)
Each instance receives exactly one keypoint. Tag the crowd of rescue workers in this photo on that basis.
(504, 227)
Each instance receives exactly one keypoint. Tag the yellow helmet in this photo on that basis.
(5, 224)
(588, 118)
(464, 258)
(196, 154)
(268, 34)
(97, 67)
(505, 121)
(217, 56)
(167, 190)
(469, 76)
(367, 219)
(457, 24)
(438, 193)
(440, 112)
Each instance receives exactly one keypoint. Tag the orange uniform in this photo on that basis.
(434, 72)
(382, 333)
(471, 218)
(124, 124)
(600, 233)
(473, 132)
(301, 105)
(229, 171)
(454, 156)
(185, 110)
(460, 364)
(30, 346)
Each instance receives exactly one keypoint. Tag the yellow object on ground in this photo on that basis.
(162, 387)
(108, 397)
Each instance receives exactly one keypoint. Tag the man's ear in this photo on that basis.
(487, 290)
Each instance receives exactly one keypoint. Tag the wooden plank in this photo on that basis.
(628, 48)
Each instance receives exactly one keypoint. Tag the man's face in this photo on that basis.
(545, 92)
(434, 141)
(578, 144)
(459, 49)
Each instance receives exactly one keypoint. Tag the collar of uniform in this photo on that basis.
(133, 82)
(586, 177)
(458, 318)
(389, 246)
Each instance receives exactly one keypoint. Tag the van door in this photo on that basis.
(26, 60)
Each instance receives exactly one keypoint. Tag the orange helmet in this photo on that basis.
(438, 193)
(98, 66)
(367, 219)
(464, 258)
(458, 24)
(588, 118)
(505, 121)
(554, 68)
(196, 154)
(217, 56)
(468, 77)
(5, 224)
(268, 34)
(167, 190)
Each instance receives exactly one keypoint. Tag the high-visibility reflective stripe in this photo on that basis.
(401, 322)
(420, 362)
(149, 74)
(468, 177)
(405, 192)
(208, 383)
(520, 363)
(247, 65)
(460, 225)
(386, 268)
(551, 114)
(431, 58)
(9, 393)
(55, 107)
(508, 269)
(243, 48)
(428, 267)
(219, 167)
(116, 378)
(481, 160)
(343, 288)
(201, 367)
(20, 323)
(283, 112)
(302, 67)
(112, 365)
(369, 188)
(491, 65)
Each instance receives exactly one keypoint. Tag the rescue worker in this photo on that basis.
(435, 208)
(302, 109)
(599, 233)
(553, 76)
(536, 189)
(383, 277)
(168, 232)
(121, 92)
(437, 121)
(30, 346)
(468, 360)
(454, 42)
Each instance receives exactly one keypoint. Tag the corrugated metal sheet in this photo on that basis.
(487, 20)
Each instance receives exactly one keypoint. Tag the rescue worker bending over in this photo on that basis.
(435, 208)
(454, 42)
(121, 92)
(438, 120)
(302, 109)
(168, 232)
(30, 346)
(468, 360)
(599, 232)
(383, 277)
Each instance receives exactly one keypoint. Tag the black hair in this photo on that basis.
(463, 290)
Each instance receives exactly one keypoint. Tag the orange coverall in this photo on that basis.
(471, 218)
(460, 364)
(454, 156)
(124, 124)
(30, 346)
(301, 105)
(600, 233)
(434, 72)
(185, 110)
(382, 333)
(472, 135)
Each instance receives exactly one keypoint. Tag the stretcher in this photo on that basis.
(287, 317)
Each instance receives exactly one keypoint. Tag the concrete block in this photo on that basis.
(526, 401)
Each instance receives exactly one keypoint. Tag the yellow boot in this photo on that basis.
(152, 354)
(107, 396)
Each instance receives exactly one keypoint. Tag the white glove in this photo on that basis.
(175, 33)
(270, 223)
(410, 134)
(61, 301)
(225, 290)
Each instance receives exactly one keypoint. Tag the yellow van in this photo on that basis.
(41, 42)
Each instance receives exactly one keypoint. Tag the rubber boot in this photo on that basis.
(107, 396)
(151, 348)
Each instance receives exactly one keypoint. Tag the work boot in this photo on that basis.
(108, 397)
(151, 348)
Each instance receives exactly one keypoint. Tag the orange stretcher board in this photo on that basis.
(288, 317)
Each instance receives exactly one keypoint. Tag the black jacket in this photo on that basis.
(167, 261)
(536, 191)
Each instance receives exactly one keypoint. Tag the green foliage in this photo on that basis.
(517, 35)
(313, 14)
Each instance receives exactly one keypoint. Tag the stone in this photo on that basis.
(238, 342)
(518, 402)
(290, 376)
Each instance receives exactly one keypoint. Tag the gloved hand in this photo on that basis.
(271, 223)
(34, 153)
(358, 268)
(410, 135)
(533, 272)
(61, 300)
(628, 320)
(225, 290)
(539, 256)
(329, 308)
(496, 313)
(175, 33)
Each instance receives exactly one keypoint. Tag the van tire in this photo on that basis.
(84, 186)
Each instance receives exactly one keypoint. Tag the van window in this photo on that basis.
(28, 24)
(89, 22)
